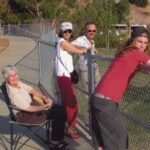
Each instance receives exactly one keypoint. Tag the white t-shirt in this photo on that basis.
(63, 60)
(83, 42)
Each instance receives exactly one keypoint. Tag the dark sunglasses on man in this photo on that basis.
(69, 31)
(92, 31)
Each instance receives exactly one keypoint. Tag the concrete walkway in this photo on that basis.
(18, 48)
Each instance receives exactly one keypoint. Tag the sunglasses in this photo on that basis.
(69, 31)
(92, 31)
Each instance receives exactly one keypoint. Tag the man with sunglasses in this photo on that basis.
(86, 41)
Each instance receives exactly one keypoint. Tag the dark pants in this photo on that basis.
(58, 116)
(108, 124)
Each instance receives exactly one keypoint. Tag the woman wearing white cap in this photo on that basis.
(64, 66)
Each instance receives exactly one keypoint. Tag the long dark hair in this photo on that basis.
(60, 34)
(128, 45)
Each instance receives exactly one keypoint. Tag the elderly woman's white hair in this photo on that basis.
(6, 70)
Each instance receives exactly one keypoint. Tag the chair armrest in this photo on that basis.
(16, 108)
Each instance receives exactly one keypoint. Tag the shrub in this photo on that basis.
(100, 41)
(12, 18)
(123, 11)
(132, 1)
(141, 3)
(70, 3)
(114, 39)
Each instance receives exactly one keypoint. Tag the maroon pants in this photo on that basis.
(68, 99)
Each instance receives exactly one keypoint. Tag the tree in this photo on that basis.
(141, 3)
(12, 18)
(51, 10)
(132, 1)
(105, 16)
(70, 3)
(82, 15)
(4, 9)
(31, 7)
(123, 11)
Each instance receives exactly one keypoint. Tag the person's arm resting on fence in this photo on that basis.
(71, 48)
(145, 66)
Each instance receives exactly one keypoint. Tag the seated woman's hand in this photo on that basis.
(48, 105)
(49, 102)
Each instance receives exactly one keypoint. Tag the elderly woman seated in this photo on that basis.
(20, 97)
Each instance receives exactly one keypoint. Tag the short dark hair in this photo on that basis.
(60, 34)
(89, 23)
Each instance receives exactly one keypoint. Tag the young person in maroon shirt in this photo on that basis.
(107, 122)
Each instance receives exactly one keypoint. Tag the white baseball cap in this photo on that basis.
(66, 26)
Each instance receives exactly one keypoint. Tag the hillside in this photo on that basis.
(140, 15)
(7, 8)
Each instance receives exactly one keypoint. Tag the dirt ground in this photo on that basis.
(139, 15)
(4, 43)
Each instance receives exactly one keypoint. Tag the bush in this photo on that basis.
(12, 18)
(63, 14)
(123, 11)
(70, 3)
(140, 3)
(100, 41)
(48, 9)
(114, 39)
(132, 1)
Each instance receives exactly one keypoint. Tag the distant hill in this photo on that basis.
(139, 15)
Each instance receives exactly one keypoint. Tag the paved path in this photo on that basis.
(18, 48)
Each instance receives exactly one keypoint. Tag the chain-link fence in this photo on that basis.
(135, 105)
(29, 65)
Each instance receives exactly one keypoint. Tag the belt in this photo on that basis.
(102, 96)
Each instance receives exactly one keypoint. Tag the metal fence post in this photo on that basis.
(9, 29)
(90, 85)
(90, 73)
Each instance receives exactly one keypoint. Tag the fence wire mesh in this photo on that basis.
(28, 67)
(136, 106)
